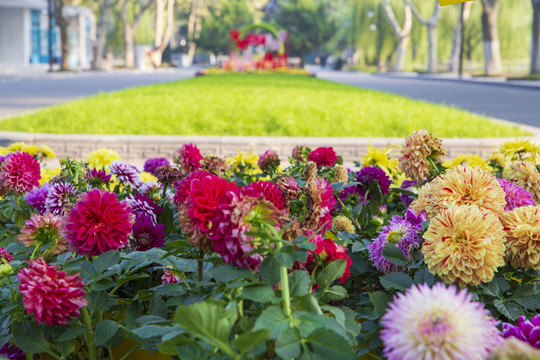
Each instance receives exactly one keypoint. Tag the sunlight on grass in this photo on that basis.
(258, 105)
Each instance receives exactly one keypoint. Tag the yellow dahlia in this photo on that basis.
(47, 151)
(421, 202)
(381, 158)
(464, 245)
(31, 149)
(520, 150)
(147, 177)
(101, 158)
(522, 226)
(16, 146)
(466, 186)
(48, 174)
(471, 160)
(525, 175)
(419, 146)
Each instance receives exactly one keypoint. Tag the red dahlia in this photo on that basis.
(52, 295)
(323, 156)
(98, 223)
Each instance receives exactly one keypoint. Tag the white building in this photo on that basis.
(24, 34)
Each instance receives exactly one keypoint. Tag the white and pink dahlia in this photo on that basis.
(438, 323)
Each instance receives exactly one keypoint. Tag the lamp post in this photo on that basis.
(50, 14)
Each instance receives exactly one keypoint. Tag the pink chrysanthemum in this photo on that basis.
(438, 323)
(320, 206)
(43, 230)
(515, 196)
(269, 191)
(147, 235)
(19, 173)
(190, 158)
(323, 156)
(184, 187)
(126, 173)
(98, 223)
(235, 216)
(52, 295)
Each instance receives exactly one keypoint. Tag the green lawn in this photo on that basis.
(274, 105)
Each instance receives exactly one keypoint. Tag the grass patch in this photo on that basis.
(258, 105)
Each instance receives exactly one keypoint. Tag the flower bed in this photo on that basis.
(404, 258)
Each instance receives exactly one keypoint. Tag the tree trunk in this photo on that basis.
(129, 29)
(456, 41)
(535, 48)
(492, 52)
(63, 24)
(431, 25)
(101, 34)
(402, 33)
(163, 32)
(194, 28)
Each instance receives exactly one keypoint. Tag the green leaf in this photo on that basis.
(227, 272)
(288, 344)
(30, 337)
(149, 331)
(103, 284)
(285, 256)
(331, 272)
(399, 281)
(512, 312)
(335, 293)
(423, 276)
(132, 314)
(157, 306)
(261, 293)
(105, 261)
(270, 270)
(105, 330)
(72, 333)
(99, 301)
(327, 344)
(166, 218)
(394, 254)
(380, 301)
(251, 339)
(272, 318)
(299, 283)
(209, 321)
(528, 296)
(308, 303)
(171, 290)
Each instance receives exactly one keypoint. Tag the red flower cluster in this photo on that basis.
(52, 295)
(323, 156)
(19, 173)
(328, 251)
(98, 223)
(190, 158)
(269, 191)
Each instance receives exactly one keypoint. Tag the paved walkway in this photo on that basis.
(24, 93)
(517, 104)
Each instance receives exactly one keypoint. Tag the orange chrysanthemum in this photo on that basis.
(414, 156)
(466, 186)
(464, 245)
(522, 226)
(525, 175)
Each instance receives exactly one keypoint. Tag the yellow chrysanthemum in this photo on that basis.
(101, 158)
(419, 148)
(16, 146)
(243, 159)
(464, 245)
(48, 174)
(47, 151)
(147, 177)
(525, 175)
(421, 202)
(520, 150)
(522, 226)
(3, 150)
(30, 149)
(381, 158)
(466, 186)
(471, 160)
(342, 223)
(497, 159)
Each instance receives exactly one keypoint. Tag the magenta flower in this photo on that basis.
(190, 158)
(515, 196)
(184, 187)
(269, 191)
(37, 197)
(5, 257)
(19, 173)
(52, 295)
(98, 223)
(528, 331)
(98, 177)
(168, 277)
(323, 156)
(369, 175)
(147, 235)
(151, 165)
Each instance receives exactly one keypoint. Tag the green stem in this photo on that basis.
(435, 168)
(200, 266)
(90, 335)
(363, 213)
(285, 293)
(28, 356)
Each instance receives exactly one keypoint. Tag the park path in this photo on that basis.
(506, 102)
(20, 94)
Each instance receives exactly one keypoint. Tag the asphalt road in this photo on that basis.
(509, 103)
(25, 93)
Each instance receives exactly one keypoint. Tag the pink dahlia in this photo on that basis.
(190, 158)
(126, 173)
(98, 223)
(43, 231)
(19, 173)
(516, 196)
(52, 295)
(269, 191)
(184, 187)
(235, 216)
(323, 156)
